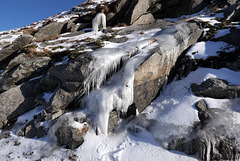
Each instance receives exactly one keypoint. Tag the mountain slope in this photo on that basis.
(69, 87)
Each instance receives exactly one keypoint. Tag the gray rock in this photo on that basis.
(161, 24)
(15, 62)
(112, 121)
(69, 136)
(49, 32)
(140, 9)
(144, 19)
(149, 77)
(20, 68)
(201, 106)
(119, 40)
(231, 38)
(15, 102)
(215, 88)
(17, 44)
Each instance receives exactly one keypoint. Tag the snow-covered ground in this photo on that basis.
(173, 113)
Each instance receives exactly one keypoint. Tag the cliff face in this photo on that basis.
(74, 81)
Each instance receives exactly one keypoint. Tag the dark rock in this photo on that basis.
(231, 38)
(119, 40)
(232, 13)
(201, 106)
(176, 8)
(215, 88)
(69, 136)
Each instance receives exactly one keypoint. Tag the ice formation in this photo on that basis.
(117, 93)
(107, 61)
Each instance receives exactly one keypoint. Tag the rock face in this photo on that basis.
(146, 11)
(216, 88)
(10, 50)
(150, 75)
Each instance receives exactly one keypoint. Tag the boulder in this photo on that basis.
(49, 32)
(70, 137)
(216, 88)
(161, 24)
(201, 106)
(21, 68)
(9, 51)
(144, 19)
(16, 101)
(150, 76)
(139, 12)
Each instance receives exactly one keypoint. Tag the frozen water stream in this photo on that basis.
(117, 93)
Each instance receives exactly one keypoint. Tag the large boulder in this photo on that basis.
(9, 51)
(21, 68)
(49, 32)
(16, 101)
(149, 77)
(140, 12)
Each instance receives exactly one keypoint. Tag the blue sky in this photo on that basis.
(19, 13)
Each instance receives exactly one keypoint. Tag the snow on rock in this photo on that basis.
(222, 32)
(205, 49)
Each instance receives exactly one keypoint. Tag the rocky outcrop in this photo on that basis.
(8, 52)
(49, 32)
(135, 12)
(216, 88)
(150, 75)
(21, 68)
(176, 8)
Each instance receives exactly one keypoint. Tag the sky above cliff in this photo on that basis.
(16, 13)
